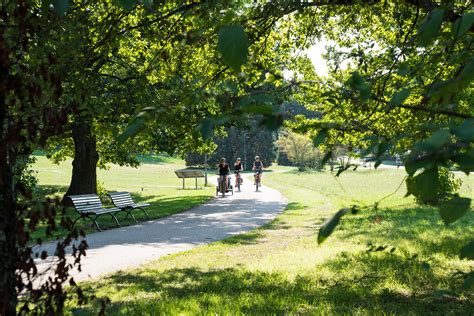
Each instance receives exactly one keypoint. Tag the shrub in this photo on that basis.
(102, 192)
(447, 187)
(25, 176)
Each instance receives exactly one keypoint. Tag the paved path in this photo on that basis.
(126, 247)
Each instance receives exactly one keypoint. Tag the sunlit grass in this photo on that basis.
(280, 269)
(153, 182)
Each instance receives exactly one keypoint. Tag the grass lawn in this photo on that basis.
(280, 269)
(153, 182)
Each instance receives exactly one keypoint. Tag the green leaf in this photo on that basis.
(454, 209)
(126, 4)
(466, 76)
(132, 129)
(403, 70)
(377, 163)
(424, 185)
(413, 165)
(207, 127)
(399, 97)
(259, 98)
(60, 6)
(465, 161)
(467, 252)
(233, 46)
(465, 131)
(429, 27)
(359, 84)
(438, 139)
(326, 158)
(468, 283)
(272, 121)
(463, 24)
(321, 137)
(328, 226)
(382, 147)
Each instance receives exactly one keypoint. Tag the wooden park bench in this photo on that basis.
(90, 206)
(124, 201)
(190, 173)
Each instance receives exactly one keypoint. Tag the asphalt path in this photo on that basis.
(127, 247)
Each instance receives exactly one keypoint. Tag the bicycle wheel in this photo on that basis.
(222, 186)
(238, 183)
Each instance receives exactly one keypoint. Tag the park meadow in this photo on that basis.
(236, 157)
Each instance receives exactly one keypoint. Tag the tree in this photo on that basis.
(300, 150)
(31, 74)
(408, 87)
(238, 143)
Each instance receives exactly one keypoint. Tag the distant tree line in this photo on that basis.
(238, 143)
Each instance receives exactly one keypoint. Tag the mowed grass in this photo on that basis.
(280, 269)
(153, 182)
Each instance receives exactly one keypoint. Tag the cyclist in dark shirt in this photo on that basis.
(257, 168)
(237, 170)
(223, 170)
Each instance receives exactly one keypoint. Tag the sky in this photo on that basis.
(314, 53)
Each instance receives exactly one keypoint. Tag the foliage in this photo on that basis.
(25, 176)
(407, 88)
(447, 186)
(171, 74)
(245, 143)
(299, 150)
(102, 191)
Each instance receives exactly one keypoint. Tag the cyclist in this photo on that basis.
(238, 168)
(223, 171)
(258, 169)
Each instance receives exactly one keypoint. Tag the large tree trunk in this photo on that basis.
(8, 227)
(84, 165)
(8, 206)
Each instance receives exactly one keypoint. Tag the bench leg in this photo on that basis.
(146, 214)
(87, 216)
(115, 219)
(129, 212)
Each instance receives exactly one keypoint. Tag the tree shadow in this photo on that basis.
(241, 291)
(250, 238)
(42, 191)
(295, 206)
(418, 225)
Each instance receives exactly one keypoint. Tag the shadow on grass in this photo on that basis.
(250, 238)
(156, 159)
(420, 226)
(50, 190)
(368, 289)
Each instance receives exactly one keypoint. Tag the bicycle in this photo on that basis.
(239, 180)
(257, 176)
(220, 188)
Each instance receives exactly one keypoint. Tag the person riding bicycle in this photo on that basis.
(238, 168)
(257, 168)
(223, 170)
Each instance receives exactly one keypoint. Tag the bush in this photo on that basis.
(447, 187)
(25, 176)
(102, 193)
(300, 150)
